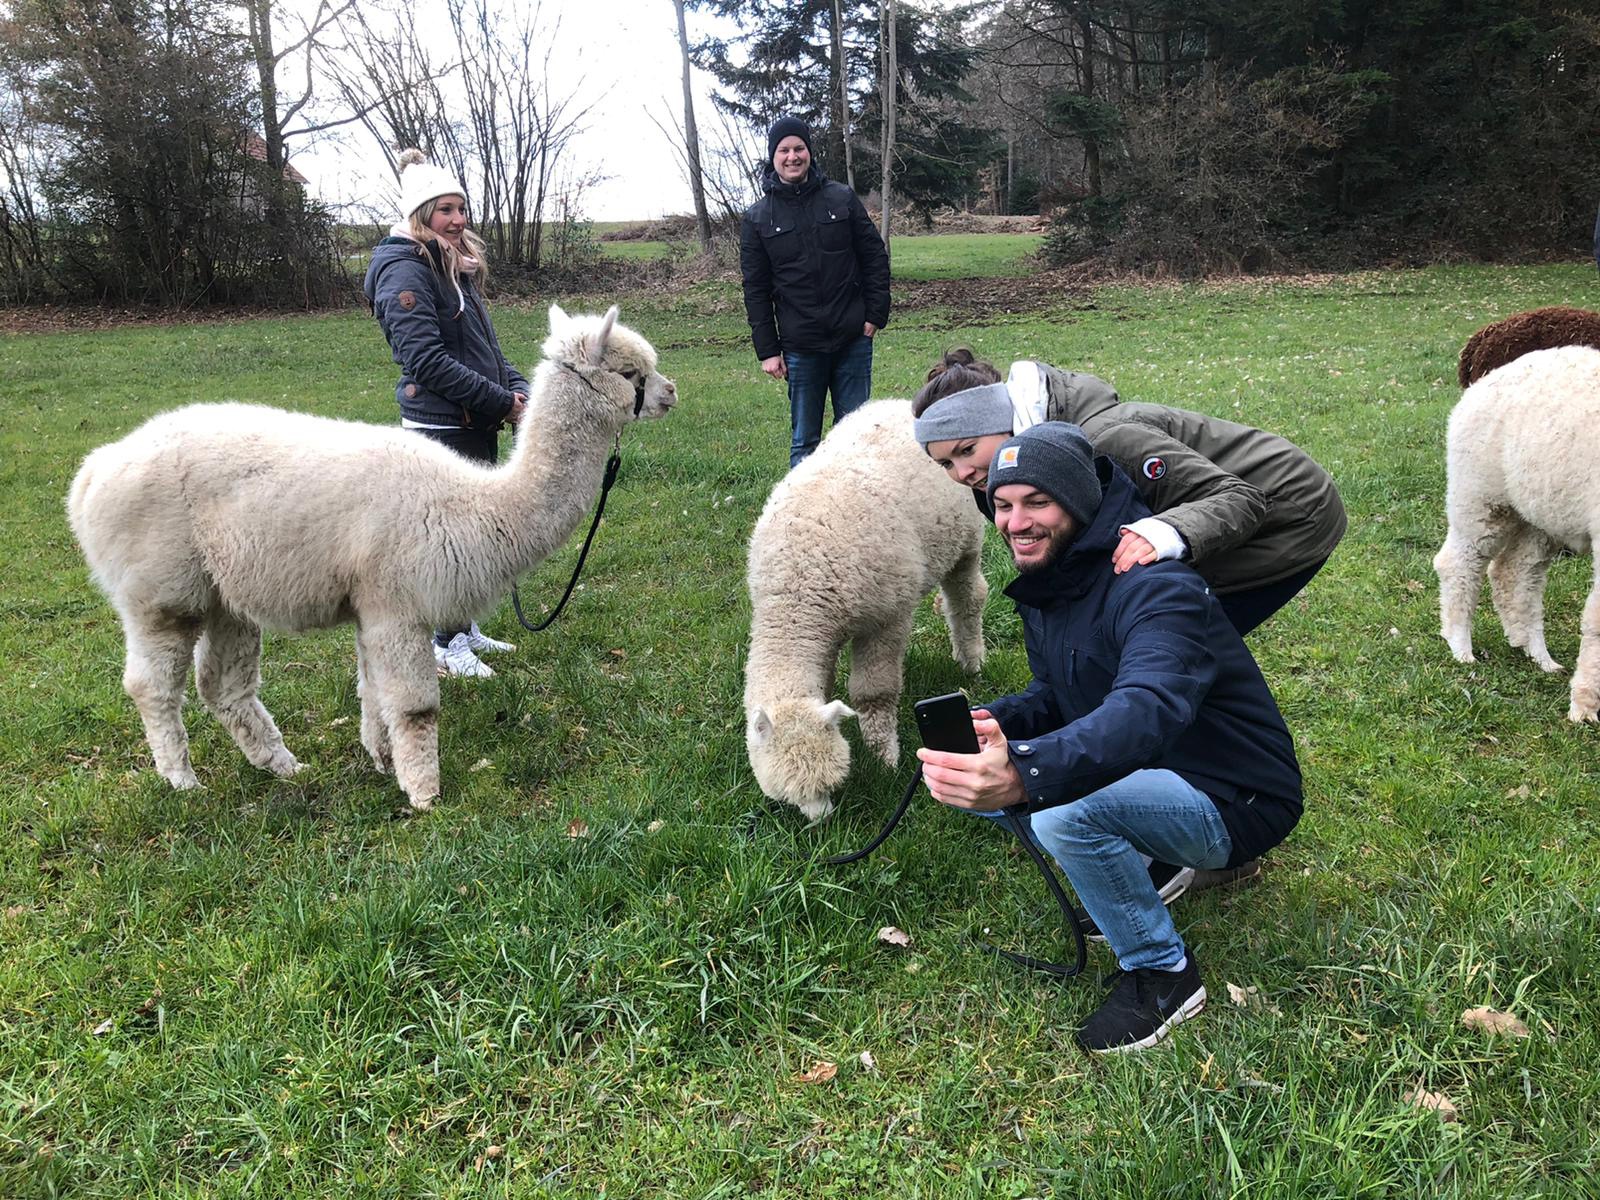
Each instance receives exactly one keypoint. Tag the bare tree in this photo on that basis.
(691, 139)
(842, 118)
(890, 86)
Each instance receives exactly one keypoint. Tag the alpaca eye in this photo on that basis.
(629, 373)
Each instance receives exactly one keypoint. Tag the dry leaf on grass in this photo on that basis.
(1437, 1101)
(1521, 792)
(16, 910)
(655, 826)
(577, 828)
(481, 765)
(822, 1072)
(868, 1061)
(890, 936)
(1489, 1020)
(105, 1026)
(1251, 998)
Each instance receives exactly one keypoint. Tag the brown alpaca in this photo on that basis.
(1498, 343)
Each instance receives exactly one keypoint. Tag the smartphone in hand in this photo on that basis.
(945, 723)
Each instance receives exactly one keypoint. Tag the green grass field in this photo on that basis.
(604, 965)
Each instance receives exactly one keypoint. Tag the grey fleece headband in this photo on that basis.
(973, 413)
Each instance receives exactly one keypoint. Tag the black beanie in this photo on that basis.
(787, 127)
(1055, 457)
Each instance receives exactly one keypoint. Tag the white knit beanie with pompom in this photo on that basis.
(421, 181)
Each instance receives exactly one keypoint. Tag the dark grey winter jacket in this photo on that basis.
(451, 368)
(814, 267)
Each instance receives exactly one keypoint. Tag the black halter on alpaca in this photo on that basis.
(613, 465)
(1012, 818)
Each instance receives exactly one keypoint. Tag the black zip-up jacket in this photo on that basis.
(1142, 670)
(815, 270)
(451, 369)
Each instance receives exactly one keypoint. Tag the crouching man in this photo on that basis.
(1147, 729)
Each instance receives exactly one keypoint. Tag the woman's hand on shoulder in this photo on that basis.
(519, 405)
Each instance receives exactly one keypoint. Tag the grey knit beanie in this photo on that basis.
(1056, 458)
(787, 127)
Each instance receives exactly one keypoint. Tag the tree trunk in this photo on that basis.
(691, 139)
(888, 91)
(1091, 146)
(843, 118)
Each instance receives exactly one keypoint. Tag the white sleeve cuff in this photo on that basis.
(1168, 541)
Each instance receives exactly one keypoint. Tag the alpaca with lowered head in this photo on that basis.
(849, 543)
(208, 524)
(1511, 337)
(1521, 448)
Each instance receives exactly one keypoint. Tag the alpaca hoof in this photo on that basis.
(421, 803)
(1549, 665)
(888, 751)
(1580, 716)
(183, 780)
(283, 764)
(971, 662)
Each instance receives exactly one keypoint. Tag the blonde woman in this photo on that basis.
(425, 287)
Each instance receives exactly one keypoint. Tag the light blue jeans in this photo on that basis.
(846, 372)
(1101, 840)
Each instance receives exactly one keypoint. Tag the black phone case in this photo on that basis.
(945, 723)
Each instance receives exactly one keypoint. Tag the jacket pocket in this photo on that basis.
(781, 242)
(833, 229)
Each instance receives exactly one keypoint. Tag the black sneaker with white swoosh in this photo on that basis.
(1143, 1007)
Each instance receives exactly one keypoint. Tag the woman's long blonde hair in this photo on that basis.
(417, 226)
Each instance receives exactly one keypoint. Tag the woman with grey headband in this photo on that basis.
(1254, 514)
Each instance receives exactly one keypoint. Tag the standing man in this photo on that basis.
(1147, 729)
(816, 285)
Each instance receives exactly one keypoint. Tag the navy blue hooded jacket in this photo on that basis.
(451, 368)
(1142, 670)
(813, 265)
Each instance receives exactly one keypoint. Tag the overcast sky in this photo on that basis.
(622, 57)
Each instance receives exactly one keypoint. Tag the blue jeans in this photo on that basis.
(1100, 842)
(846, 372)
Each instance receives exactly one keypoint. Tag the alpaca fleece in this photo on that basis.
(849, 543)
(1521, 450)
(208, 524)
(1502, 341)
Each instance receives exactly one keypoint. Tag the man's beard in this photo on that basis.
(1054, 545)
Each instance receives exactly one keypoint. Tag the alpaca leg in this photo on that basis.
(964, 592)
(1586, 677)
(1474, 538)
(404, 683)
(227, 671)
(159, 649)
(877, 663)
(374, 734)
(1516, 581)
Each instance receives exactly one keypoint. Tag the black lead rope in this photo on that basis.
(613, 465)
(1012, 819)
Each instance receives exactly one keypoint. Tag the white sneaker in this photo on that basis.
(458, 659)
(481, 643)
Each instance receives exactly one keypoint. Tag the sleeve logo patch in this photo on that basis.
(1153, 467)
(408, 300)
(1008, 457)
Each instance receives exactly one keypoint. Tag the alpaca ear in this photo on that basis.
(598, 350)
(760, 727)
(558, 317)
(835, 711)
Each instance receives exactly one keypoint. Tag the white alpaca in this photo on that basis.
(849, 543)
(206, 525)
(1522, 448)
